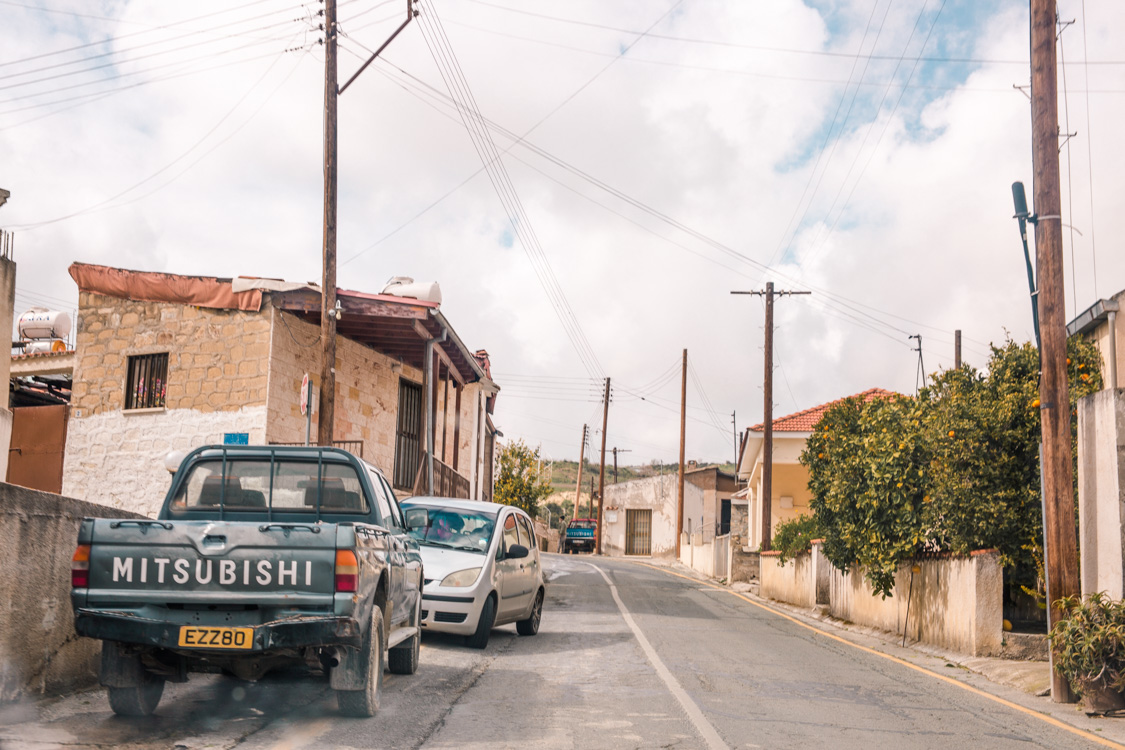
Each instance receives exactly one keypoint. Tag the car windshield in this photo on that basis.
(456, 529)
(247, 485)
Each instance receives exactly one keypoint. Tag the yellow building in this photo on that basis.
(790, 491)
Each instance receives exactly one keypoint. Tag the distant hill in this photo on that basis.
(563, 474)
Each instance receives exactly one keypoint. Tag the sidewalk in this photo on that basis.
(1023, 683)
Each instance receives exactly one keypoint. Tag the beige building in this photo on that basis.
(709, 513)
(641, 514)
(790, 494)
(1100, 323)
(167, 362)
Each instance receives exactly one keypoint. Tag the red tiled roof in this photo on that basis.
(805, 421)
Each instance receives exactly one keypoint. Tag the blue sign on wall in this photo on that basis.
(236, 438)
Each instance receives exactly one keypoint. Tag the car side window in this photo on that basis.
(386, 518)
(396, 511)
(511, 534)
(527, 534)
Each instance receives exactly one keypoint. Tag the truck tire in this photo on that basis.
(479, 639)
(365, 702)
(137, 701)
(403, 658)
(530, 626)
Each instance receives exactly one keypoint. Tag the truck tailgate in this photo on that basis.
(215, 562)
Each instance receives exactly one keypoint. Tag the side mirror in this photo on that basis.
(517, 551)
(417, 518)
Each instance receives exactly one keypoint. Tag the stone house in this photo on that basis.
(167, 362)
(790, 490)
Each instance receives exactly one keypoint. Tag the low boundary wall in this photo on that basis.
(955, 602)
(39, 650)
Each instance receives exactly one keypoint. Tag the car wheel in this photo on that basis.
(530, 626)
(137, 701)
(365, 702)
(479, 639)
(403, 658)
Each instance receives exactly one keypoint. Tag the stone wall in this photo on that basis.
(744, 564)
(39, 650)
(216, 383)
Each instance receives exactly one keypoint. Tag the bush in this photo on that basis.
(791, 538)
(1089, 643)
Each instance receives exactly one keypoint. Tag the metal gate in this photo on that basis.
(408, 436)
(638, 531)
(35, 459)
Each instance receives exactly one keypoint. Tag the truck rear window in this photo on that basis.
(247, 485)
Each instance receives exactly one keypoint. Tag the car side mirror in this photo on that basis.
(517, 551)
(417, 518)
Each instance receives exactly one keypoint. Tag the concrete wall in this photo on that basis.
(7, 312)
(955, 602)
(710, 555)
(39, 651)
(1101, 492)
(793, 583)
(656, 493)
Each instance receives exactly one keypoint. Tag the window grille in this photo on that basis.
(146, 380)
(408, 436)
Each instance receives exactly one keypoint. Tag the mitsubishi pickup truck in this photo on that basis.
(580, 536)
(261, 557)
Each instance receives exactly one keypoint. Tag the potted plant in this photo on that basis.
(1089, 650)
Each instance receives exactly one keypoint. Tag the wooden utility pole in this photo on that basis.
(767, 415)
(683, 436)
(734, 435)
(957, 349)
(1061, 557)
(328, 312)
(327, 412)
(581, 461)
(601, 472)
(615, 452)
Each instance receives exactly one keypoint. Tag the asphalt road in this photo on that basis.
(628, 656)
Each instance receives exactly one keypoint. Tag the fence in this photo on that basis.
(447, 482)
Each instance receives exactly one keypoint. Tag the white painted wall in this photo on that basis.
(1101, 492)
(117, 458)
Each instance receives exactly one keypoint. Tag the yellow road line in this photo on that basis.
(1023, 709)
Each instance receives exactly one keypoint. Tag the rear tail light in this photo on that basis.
(80, 567)
(347, 570)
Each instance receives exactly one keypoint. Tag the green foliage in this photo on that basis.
(953, 470)
(793, 537)
(1089, 643)
(518, 483)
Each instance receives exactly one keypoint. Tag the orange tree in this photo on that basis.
(953, 470)
(518, 482)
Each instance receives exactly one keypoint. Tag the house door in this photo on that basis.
(38, 441)
(638, 531)
(724, 518)
(408, 435)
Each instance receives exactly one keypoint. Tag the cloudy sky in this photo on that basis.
(645, 158)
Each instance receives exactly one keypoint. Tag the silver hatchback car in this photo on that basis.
(481, 566)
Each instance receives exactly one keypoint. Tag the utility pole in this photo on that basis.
(1060, 553)
(683, 436)
(921, 364)
(327, 413)
(734, 434)
(615, 452)
(601, 472)
(590, 506)
(581, 461)
(957, 349)
(767, 416)
(328, 304)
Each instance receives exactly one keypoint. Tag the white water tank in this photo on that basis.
(40, 323)
(404, 286)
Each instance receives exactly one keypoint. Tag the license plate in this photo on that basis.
(195, 637)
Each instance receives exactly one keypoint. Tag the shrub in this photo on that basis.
(1089, 643)
(795, 536)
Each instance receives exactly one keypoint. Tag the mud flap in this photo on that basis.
(120, 667)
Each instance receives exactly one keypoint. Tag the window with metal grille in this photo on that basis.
(408, 435)
(146, 380)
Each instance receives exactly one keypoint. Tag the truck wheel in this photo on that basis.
(403, 658)
(365, 702)
(479, 639)
(137, 701)
(530, 626)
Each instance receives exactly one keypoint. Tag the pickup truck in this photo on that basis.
(261, 557)
(580, 536)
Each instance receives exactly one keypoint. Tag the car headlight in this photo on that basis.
(464, 577)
